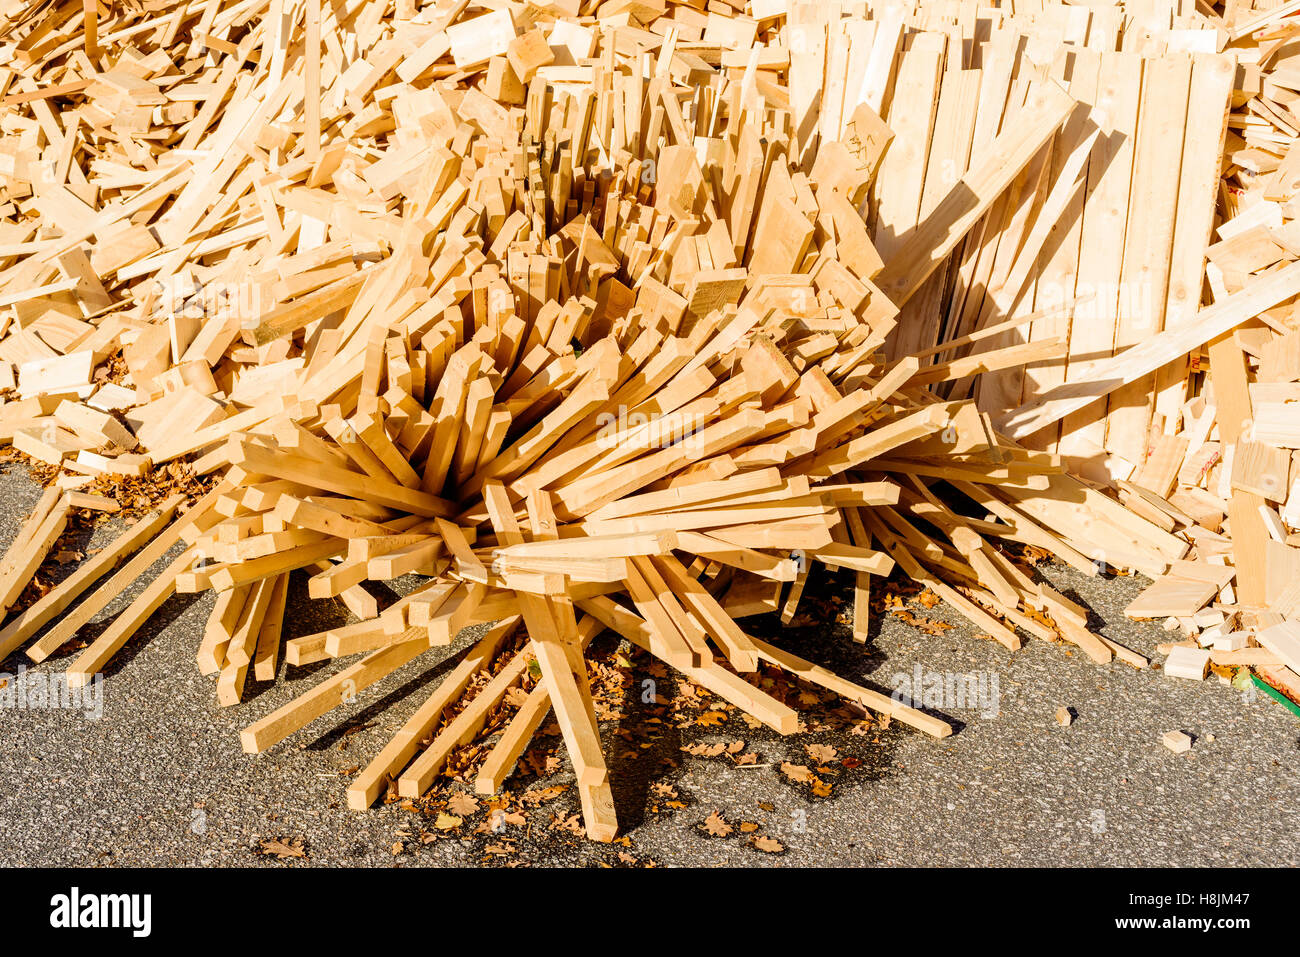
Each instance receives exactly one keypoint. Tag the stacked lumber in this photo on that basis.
(623, 315)
(1214, 447)
(1223, 466)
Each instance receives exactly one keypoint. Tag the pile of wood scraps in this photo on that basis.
(632, 315)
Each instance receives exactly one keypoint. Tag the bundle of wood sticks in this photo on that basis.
(631, 315)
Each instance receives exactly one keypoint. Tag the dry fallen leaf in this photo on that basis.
(1035, 555)
(932, 627)
(572, 824)
(447, 822)
(701, 750)
(769, 844)
(796, 772)
(542, 795)
(282, 848)
(462, 804)
(821, 753)
(717, 826)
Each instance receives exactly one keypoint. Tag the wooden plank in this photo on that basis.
(404, 746)
(1283, 639)
(338, 689)
(1148, 356)
(1148, 242)
(24, 625)
(92, 661)
(68, 625)
(990, 173)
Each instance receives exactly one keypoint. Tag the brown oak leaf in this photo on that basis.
(702, 750)
(821, 753)
(796, 772)
(542, 795)
(282, 848)
(516, 697)
(716, 825)
(462, 804)
(572, 824)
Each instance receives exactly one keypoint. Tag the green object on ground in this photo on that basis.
(1276, 695)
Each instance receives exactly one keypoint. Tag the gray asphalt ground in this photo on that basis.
(160, 779)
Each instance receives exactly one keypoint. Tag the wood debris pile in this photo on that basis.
(629, 315)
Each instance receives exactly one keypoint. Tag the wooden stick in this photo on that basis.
(404, 746)
(26, 624)
(341, 688)
(1129, 366)
(92, 661)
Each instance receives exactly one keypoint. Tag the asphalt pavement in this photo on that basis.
(159, 778)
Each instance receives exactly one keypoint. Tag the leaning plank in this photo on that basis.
(398, 753)
(32, 619)
(92, 661)
(865, 696)
(1105, 377)
(415, 780)
(724, 683)
(220, 629)
(329, 694)
(938, 234)
(17, 572)
(268, 640)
